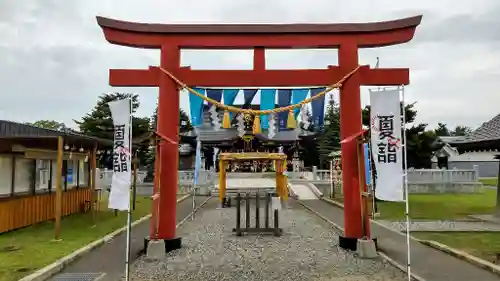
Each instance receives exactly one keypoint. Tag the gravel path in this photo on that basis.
(308, 250)
(462, 226)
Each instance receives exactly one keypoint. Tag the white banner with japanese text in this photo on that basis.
(119, 197)
(386, 144)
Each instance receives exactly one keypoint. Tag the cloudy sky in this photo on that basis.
(54, 60)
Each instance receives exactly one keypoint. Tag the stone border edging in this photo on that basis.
(57, 266)
(336, 226)
(340, 205)
(399, 266)
(341, 229)
(463, 256)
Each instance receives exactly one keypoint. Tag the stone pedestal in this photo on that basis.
(366, 249)
(156, 249)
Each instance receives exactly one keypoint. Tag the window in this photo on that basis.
(5, 174)
(23, 176)
(84, 173)
(42, 175)
(54, 176)
(71, 168)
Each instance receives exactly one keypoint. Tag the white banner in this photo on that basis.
(386, 144)
(119, 197)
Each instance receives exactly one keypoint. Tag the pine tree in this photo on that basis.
(329, 138)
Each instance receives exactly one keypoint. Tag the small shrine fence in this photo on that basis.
(419, 180)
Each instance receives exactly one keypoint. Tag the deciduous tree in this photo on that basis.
(49, 124)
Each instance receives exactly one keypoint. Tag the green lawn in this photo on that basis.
(485, 245)
(439, 206)
(489, 181)
(32, 247)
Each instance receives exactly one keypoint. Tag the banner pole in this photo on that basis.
(134, 180)
(194, 185)
(372, 177)
(158, 190)
(374, 185)
(407, 194)
(193, 203)
(127, 257)
(129, 211)
(196, 174)
(332, 194)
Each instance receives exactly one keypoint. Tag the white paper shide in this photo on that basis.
(386, 144)
(119, 197)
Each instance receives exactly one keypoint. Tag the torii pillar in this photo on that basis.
(170, 39)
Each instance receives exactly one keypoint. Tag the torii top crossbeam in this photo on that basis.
(258, 37)
(205, 36)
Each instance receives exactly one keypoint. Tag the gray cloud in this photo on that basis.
(465, 28)
(54, 60)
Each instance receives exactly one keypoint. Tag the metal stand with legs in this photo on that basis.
(276, 230)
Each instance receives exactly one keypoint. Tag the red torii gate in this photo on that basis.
(171, 38)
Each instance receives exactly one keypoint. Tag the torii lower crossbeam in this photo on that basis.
(267, 78)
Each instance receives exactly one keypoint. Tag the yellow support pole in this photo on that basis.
(222, 180)
(278, 182)
(284, 186)
(280, 176)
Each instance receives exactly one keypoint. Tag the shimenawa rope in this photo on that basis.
(261, 112)
(291, 122)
